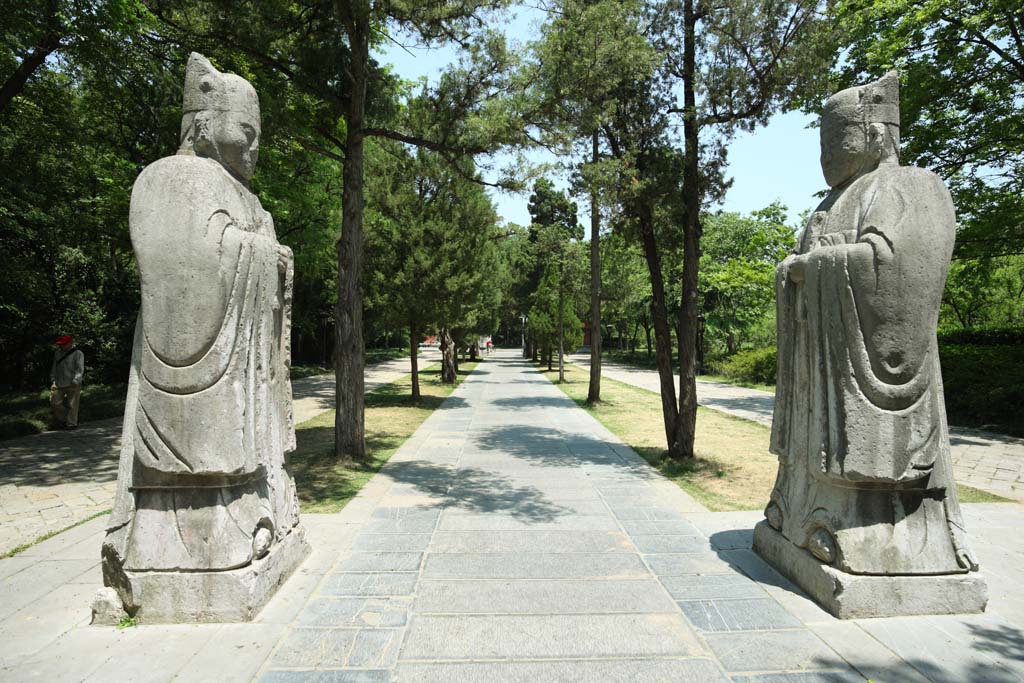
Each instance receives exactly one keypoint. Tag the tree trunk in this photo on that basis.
(594, 391)
(13, 86)
(687, 423)
(349, 440)
(448, 367)
(561, 329)
(662, 335)
(414, 349)
(473, 349)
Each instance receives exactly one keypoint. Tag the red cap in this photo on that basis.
(64, 340)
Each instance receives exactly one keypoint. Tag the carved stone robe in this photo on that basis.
(860, 425)
(208, 419)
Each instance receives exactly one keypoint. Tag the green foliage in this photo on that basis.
(738, 259)
(962, 78)
(984, 385)
(984, 292)
(431, 247)
(755, 366)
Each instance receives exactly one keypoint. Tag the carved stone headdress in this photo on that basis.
(207, 89)
(876, 102)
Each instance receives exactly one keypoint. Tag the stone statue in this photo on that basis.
(205, 524)
(864, 513)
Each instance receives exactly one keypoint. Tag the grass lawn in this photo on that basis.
(325, 485)
(372, 356)
(733, 469)
(28, 412)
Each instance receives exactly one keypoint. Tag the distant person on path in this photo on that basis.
(489, 346)
(66, 382)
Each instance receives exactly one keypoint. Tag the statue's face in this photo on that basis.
(845, 149)
(236, 136)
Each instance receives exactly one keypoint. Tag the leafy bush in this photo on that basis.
(984, 385)
(1005, 336)
(757, 365)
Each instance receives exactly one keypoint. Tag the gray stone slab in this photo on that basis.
(502, 522)
(380, 562)
(391, 542)
(338, 647)
(646, 513)
(73, 657)
(711, 586)
(382, 583)
(33, 628)
(411, 525)
(756, 614)
(537, 596)
(805, 677)
(326, 676)
(606, 671)
(25, 587)
(524, 501)
(946, 653)
(660, 543)
(766, 651)
(9, 566)
(866, 654)
(531, 542)
(688, 563)
(236, 652)
(534, 565)
(155, 652)
(359, 612)
(647, 527)
(559, 636)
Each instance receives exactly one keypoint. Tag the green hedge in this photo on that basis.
(1008, 336)
(984, 385)
(757, 365)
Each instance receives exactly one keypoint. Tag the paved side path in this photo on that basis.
(53, 480)
(513, 539)
(988, 461)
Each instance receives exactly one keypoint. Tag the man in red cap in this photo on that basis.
(66, 382)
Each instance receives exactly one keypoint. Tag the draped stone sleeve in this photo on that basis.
(872, 307)
(208, 292)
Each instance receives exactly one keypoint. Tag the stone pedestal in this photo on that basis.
(211, 597)
(855, 596)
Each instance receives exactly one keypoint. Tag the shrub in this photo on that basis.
(984, 385)
(757, 365)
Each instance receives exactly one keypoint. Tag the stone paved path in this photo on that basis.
(53, 480)
(985, 460)
(513, 539)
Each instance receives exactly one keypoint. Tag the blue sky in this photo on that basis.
(776, 162)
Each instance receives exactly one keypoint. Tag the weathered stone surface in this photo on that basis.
(693, 670)
(107, 607)
(865, 480)
(558, 636)
(536, 596)
(853, 596)
(205, 523)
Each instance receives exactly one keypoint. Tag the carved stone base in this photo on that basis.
(855, 596)
(205, 597)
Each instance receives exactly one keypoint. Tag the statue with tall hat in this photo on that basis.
(864, 513)
(205, 525)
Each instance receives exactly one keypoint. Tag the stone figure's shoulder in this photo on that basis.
(181, 173)
(910, 177)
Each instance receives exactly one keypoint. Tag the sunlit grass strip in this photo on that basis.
(733, 470)
(325, 484)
